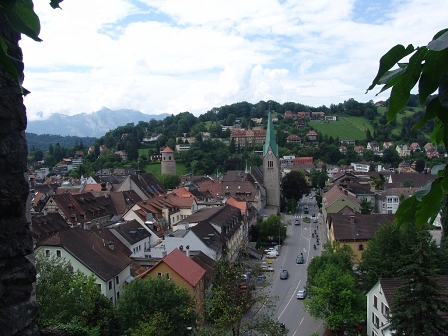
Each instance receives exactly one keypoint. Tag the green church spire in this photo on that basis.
(270, 138)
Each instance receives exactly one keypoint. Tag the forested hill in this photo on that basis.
(43, 141)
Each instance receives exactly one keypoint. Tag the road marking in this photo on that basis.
(298, 326)
(293, 294)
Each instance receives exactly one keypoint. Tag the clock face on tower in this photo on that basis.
(269, 152)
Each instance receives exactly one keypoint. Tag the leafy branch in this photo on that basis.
(427, 66)
(22, 18)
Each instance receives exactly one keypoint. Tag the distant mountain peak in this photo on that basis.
(94, 124)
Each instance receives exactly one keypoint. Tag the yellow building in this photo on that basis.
(184, 272)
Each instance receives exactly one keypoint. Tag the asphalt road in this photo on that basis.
(289, 309)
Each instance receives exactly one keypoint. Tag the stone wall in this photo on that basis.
(18, 307)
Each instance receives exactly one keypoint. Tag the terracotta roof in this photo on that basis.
(237, 204)
(335, 193)
(167, 150)
(184, 266)
(357, 227)
(181, 202)
(182, 192)
(91, 249)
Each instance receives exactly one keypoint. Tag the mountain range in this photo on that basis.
(94, 124)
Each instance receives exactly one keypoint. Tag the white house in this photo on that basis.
(94, 251)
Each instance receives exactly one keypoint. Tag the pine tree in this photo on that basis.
(418, 303)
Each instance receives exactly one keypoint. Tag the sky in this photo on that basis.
(174, 56)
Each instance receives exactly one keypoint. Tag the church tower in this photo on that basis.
(271, 167)
(168, 163)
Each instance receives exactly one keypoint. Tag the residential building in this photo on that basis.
(403, 150)
(134, 236)
(311, 135)
(93, 251)
(248, 137)
(184, 272)
(294, 138)
(379, 301)
(356, 229)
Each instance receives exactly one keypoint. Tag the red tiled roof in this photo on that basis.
(182, 265)
(167, 150)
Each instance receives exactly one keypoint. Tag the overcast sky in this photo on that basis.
(192, 55)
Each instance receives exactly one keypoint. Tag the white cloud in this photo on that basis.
(174, 56)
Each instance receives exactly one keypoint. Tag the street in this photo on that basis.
(289, 309)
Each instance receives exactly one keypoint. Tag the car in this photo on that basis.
(297, 221)
(300, 259)
(315, 220)
(266, 268)
(313, 215)
(272, 249)
(311, 197)
(284, 275)
(301, 294)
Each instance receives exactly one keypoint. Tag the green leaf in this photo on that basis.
(430, 113)
(423, 191)
(402, 90)
(13, 66)
(389, 75)
(393, 80)
(437, 168)
(430, 204)
(23, 19)
(389, 59)
(440, 33)
(439, 43)
(55, 3)
(435, 66)
(406, 210)
(443, 91)
(435, 136)
(444, 180)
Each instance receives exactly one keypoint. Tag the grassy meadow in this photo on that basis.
(346, 127)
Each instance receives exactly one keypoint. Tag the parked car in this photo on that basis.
(266, 268)
(300, 259)
(315, 220)
(301, 294)
(284, 275)
(297, 221)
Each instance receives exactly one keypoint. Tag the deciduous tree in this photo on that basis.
(294, 185)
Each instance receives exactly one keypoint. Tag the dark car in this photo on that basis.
(284, 275)
(297, 221)
(300, 259)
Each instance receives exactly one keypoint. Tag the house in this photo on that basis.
(293, 138)
(134, 236)
(379, 301)
(403, 150)
(343, 149)
(93, 251)
(45, 225)
(387, 201)
(366, 166)
(150, 138)
(355, 230)
(184, 272)
(215, 231)
(359, 150)
(331, 118)
(288, 114)
(339, 200)
(311, 135)
(317, 115)
(373, 146)
(387, 144)
(145, 185)
(249, 137)
(415, 147)
(348, 142)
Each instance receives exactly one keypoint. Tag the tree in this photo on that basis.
(272, 228)
(420, 165)
(418, 303)
(50, 161)
(169, 181)
(65, 297)
(390, 249)
(294, 185)
(143, 300)
(229, 302)
(427, 66)
(366, 206)
(333, 290)
(38, 155)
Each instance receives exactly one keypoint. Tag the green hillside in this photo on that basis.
(154, 168)
(353, 128)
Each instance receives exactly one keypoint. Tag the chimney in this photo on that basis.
(181, 247)
(345, 192)
(187, 249)
(352, 219)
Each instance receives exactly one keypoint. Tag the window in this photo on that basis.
(375, 301)
(117, 280)
(99, 287)
(58, 253)
(361, 247)
(270, 164)
(110, 284)
(384, 310)
(47, 253)
(118, 295)
(168, 276)
(159, 275)
(375, 320)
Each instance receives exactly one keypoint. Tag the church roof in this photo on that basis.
(270, 138)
